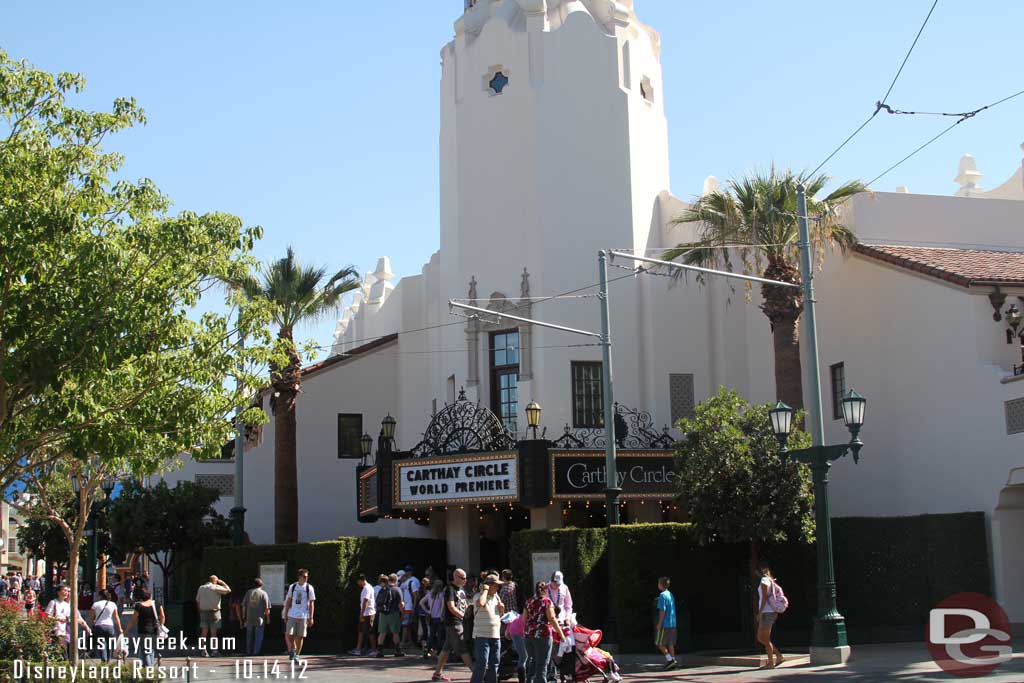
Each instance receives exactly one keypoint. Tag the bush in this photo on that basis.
(583, 563)
(333, 567)
(890, 572)
(22, 638)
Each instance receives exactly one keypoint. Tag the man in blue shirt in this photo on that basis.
(665, 633)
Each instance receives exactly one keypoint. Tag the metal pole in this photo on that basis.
(612, 489)
(238, 511)
(829, 644)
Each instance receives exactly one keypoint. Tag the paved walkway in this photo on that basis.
(902, 663)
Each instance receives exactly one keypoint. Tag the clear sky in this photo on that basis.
(319, 120)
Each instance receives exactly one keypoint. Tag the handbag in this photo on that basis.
(161, 629)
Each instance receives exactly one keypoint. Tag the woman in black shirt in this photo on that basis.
(146, 618)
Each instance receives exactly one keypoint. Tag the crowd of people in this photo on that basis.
(473, 617)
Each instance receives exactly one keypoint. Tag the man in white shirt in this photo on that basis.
(298, 605)
(367, 610)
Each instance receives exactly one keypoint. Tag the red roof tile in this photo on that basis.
(964, 267)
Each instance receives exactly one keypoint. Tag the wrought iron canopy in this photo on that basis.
(634, 429)
(463, 427)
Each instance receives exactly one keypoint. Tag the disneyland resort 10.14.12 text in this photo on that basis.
(241, 669)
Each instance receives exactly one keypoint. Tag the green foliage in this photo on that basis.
(25, 638)
(910, 563)
(584, 564)
(42, 537)
(890, 571)
(732, 481)
(168, 525)
(100, 352)
(757, 215)
(298, 292)
(333, 567)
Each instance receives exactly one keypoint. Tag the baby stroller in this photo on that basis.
(579, 657)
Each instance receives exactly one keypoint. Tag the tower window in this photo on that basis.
(498, 82)
(646, 89)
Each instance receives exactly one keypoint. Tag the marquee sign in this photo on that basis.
(424, 482)
(367, 495)
(642, 474)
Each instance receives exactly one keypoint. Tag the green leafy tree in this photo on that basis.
(297, 293)
(757, 216)
(733, 482)
(167, 525)
(106, 368)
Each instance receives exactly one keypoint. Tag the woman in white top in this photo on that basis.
(60, 610)
(766, 615)
(106, 622)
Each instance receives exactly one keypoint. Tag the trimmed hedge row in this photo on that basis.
(584, 564)
(333, 567)
(890, 571)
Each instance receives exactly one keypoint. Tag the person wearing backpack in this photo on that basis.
(299, 605)
(771, 602)
(390, 605)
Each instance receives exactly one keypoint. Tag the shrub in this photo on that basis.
(583, 563)
(25, 638)
(333, 567)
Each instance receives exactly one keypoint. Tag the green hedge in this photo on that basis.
(333, 567)
(890, 571)
(583, 563)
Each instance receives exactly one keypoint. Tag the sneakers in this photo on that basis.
(440, 677)
(672, 664)
(373, 653)
(355, 653)
(380, 654)
(399, 653)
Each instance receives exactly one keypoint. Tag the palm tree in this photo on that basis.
(297, 293)
(756, 218)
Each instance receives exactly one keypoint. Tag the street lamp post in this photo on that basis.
(829, 644)
(107, 485)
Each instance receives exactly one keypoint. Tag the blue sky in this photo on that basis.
(319, 120)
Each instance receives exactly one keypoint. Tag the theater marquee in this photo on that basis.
(490, 478)
(642, 474)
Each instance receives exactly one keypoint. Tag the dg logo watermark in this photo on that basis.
(969, 635)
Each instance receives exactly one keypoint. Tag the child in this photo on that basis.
(665, 633)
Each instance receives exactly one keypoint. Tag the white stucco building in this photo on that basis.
(553, 146)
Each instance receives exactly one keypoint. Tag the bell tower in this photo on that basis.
(553, 138)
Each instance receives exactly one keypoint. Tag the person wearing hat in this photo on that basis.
(410, 586)
(487, 611)
(560, 596)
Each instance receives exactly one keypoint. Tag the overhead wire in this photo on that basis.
(881, 103)
(964, 116)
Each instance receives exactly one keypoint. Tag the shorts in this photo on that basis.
(665, 637)
(406, 618)
(296, 627)
(209, 619)
(389, 623)
(365, 624)
(454, 641)
(768, 619)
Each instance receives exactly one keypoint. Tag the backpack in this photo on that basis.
(777, 599)
(385, 601)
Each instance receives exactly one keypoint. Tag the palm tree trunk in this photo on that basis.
(286, 484)
(788, 377)
(783, 307)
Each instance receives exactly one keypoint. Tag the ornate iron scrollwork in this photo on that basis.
(463, 427)
(634, 429)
